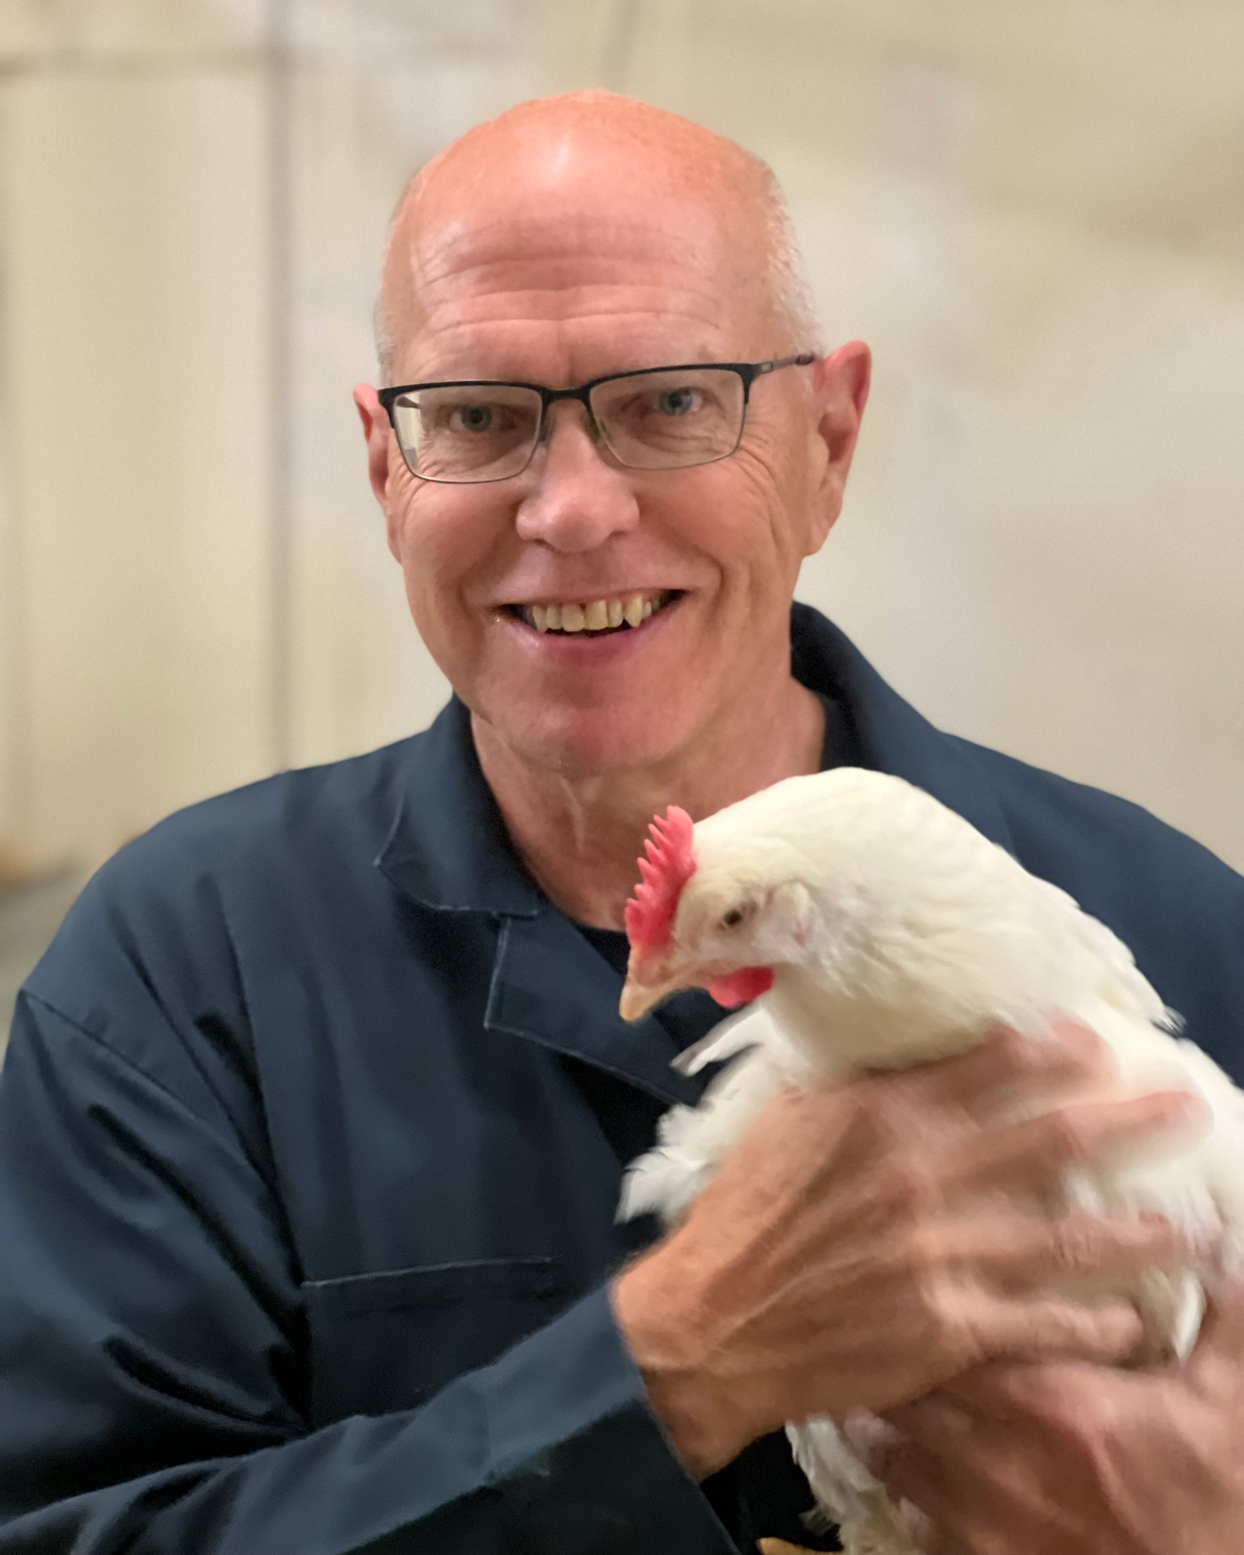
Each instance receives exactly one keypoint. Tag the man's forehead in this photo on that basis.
(674, 265)
(564, 243)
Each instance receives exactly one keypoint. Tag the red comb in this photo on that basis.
(668, 863)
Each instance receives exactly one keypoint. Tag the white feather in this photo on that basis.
(898, 933)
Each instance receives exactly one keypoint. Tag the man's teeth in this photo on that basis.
(597, 616)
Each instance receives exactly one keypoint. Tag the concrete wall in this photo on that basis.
(1032, 211)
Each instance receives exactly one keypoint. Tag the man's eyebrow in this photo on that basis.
(476, 374)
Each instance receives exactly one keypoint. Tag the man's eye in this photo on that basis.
(474, 418)
(679, 402)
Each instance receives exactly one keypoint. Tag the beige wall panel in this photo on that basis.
(1115, 572)
(14, 689)
(137, 328)
(143, 27)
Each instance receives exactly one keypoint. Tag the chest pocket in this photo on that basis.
(381, 1342)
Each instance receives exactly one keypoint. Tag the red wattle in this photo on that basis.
(741, 987)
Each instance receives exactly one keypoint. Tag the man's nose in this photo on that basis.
(577, 500)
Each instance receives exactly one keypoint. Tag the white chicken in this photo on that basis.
(875, 928)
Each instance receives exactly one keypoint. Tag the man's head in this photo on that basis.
(572, 238)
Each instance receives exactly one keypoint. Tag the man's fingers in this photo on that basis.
(1044, 1327)
(911, 1474)
(1217, 1362)
(1223, 1328)
(937, 1422)
(1002, 1391)
(905, 1460)
(1018, 1254)
(1029, 1157)
(1009, 1062)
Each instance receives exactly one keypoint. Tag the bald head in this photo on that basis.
(583, 153)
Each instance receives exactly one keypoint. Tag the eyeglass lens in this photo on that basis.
(661, 420)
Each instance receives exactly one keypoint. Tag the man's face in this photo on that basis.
(608, 276)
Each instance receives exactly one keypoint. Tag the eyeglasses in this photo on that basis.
(662, 418)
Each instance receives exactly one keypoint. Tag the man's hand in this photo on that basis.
(1074, 1459)
(862, 1246)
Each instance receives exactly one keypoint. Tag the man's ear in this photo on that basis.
(840, 381)
(376, 434)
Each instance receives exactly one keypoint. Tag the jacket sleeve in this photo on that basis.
(154, 1371)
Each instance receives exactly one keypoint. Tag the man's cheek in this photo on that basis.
(774, 514)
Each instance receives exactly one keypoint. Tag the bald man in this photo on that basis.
(315, 1114)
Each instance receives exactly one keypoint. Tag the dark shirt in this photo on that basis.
(312, 1127)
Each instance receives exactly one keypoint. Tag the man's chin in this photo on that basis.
(582, 742)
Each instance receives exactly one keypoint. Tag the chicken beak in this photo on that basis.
(648, 982)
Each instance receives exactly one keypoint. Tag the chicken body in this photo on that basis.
(893, 932)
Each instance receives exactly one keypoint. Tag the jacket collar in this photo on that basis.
(892, 735)
(550, 986)
(448, 848)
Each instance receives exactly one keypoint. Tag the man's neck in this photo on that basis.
(580, 837)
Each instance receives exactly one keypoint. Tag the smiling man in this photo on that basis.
(315, 1114)
(632, 240)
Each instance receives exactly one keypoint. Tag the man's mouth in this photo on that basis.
(595, 617)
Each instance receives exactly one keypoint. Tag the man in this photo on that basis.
(315, 1114)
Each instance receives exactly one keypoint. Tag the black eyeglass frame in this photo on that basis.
(747, 371)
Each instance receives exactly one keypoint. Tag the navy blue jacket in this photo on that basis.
(311, 1133)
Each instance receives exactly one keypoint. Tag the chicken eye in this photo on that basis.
(733, 918)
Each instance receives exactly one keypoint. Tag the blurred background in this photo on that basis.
(1034, 212)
